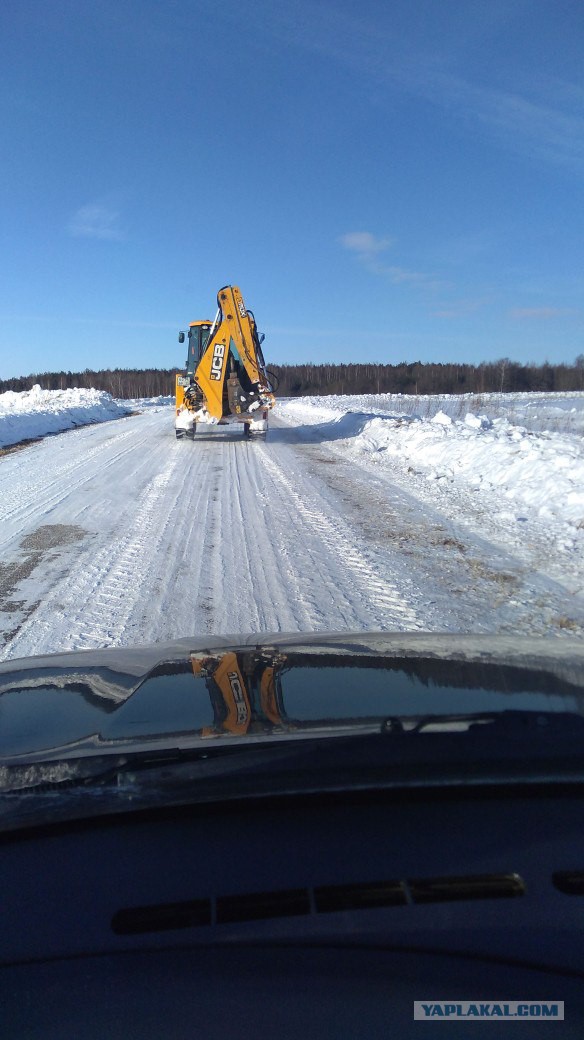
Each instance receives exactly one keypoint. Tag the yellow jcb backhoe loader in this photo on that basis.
(226, 379)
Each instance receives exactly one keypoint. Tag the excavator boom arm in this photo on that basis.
(233, 346)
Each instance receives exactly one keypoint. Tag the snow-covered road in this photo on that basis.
(117, 534)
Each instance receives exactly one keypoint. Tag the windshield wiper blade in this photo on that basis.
(395, 742)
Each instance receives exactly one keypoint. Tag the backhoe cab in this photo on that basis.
(226, 379)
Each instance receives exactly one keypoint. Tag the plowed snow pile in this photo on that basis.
(525, 449)
(35, 413)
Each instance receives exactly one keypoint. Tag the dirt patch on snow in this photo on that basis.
(42, 544)
(9, 449)
(51, 536)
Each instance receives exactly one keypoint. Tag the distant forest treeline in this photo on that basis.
(503, 376)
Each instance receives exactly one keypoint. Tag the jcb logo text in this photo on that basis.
(217, 361)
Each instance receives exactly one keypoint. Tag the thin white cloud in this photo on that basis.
(541, 313)
(527, 125)
(364, 244)
(537, 116)
(368, 249)
(96, 221)
(399, 276)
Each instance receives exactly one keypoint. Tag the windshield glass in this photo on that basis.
(198, 339)
(390, 194)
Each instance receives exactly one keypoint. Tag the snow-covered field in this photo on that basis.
(385, 512)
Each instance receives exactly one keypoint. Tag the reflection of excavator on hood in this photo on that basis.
(226, 380)
(245, 691)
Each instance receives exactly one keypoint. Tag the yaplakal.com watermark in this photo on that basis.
(520, 1010)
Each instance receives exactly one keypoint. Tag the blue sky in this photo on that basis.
(386, 180)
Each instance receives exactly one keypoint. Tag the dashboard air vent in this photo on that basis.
(570, 882)
(326, 899)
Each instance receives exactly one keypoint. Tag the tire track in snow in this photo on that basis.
(236, 582)
(107, 585)
(381, 596)
(19, 500)
(113, 586)
(275, 599)
(219, 541)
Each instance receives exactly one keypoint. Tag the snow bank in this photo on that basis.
(537, 412)
(540, 471)
(35, 413)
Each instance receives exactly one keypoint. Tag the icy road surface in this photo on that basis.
(117, 534)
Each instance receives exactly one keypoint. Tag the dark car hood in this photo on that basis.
(111, 698)
(321, 706)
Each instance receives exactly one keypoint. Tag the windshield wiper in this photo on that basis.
(446, 742)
